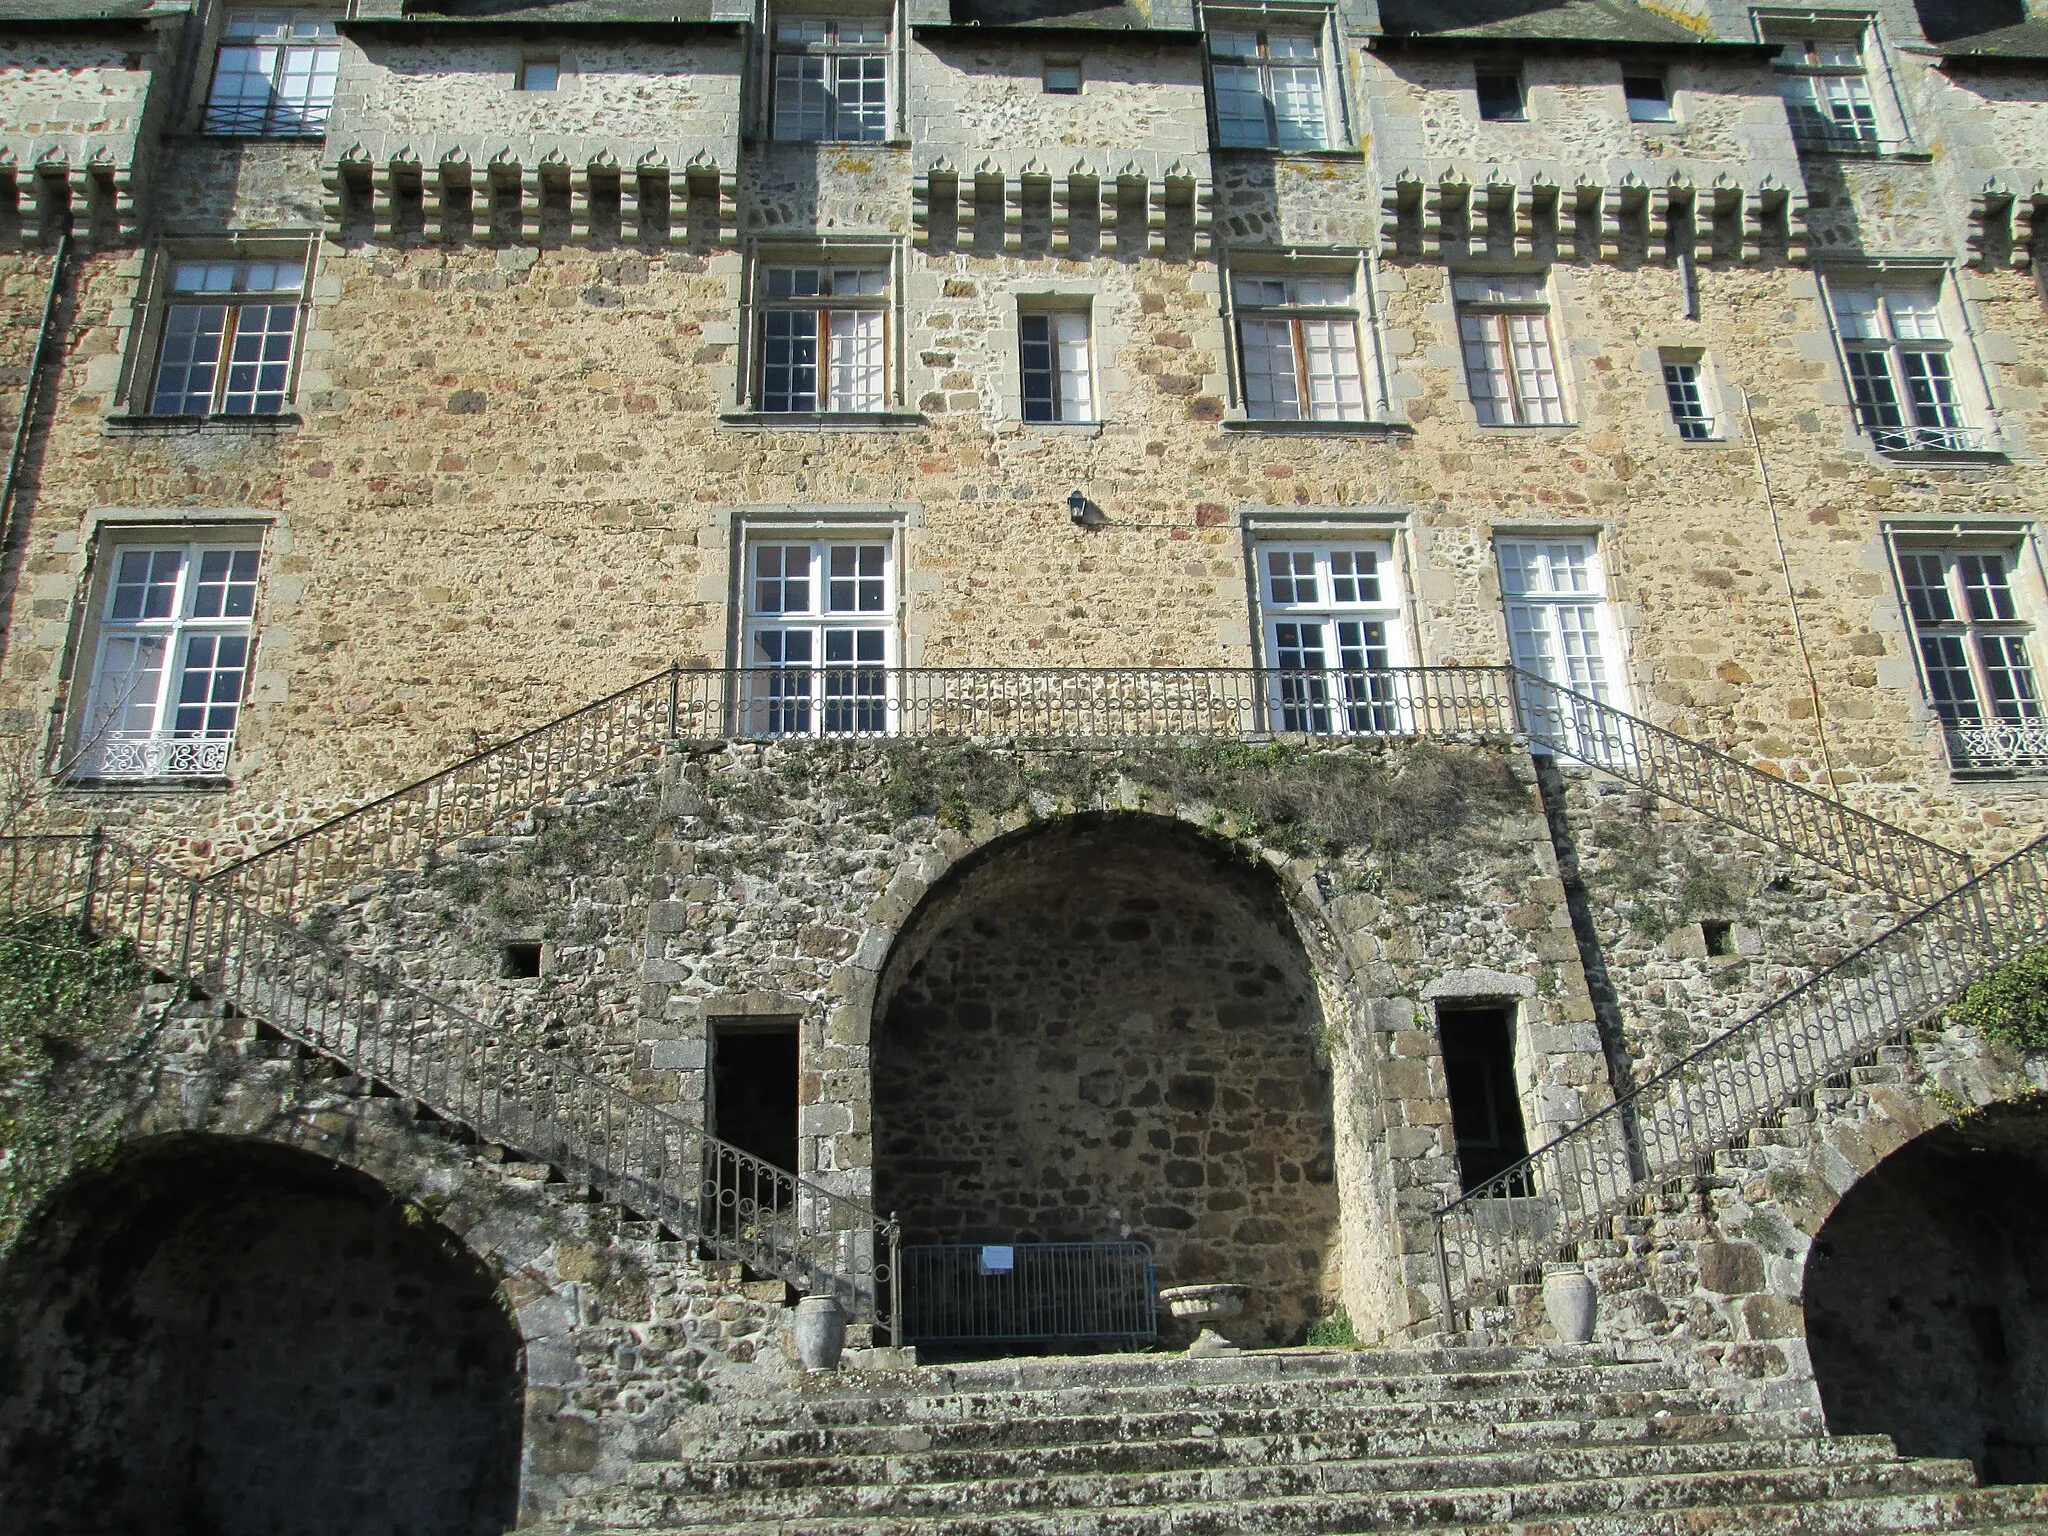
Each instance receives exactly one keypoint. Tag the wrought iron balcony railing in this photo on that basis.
(524, 1096)
(1932, 439)
(156, 755)
(1992, 746)
(1569, 1190)
(485, 793)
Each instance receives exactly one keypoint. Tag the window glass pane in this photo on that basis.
(857, 282)
(1320, 292)
(801, 102)
(2010, 677)
(1915, 313)
(146, 584)
(1876, 395)
(1298, 105)
(1931, 388)
(1486, 369)
(1535, 373)
(1062, 79)
(1857, 313)
(1330, 348)
(1041, 383)
(127, 689)
(1290, 576)
(789, 361)
(782, 578)
(539, 75)
(1500, 97)
(1987, 590)
(1926, 588)
(1241, 107)
(856, 360)
(189, 362)
(1271, 392)
(862, 99)
(1076, 390)
(209, 690)
(259, 366)
(857, 581)
(1648, 99)
(1259, 290)
(1234, 45)
(1950, 688)
(226, 588)
(1688, 401)
(1354, 576)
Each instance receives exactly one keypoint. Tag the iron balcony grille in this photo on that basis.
(970, 1293)
(1997, 746)
(157, 755)
(1934, 439)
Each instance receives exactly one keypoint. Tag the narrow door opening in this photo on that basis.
(1486, 1106)
(753, 1089)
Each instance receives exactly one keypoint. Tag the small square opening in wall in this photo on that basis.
(1649, 98)
(1719, 935)
(1500, 98)
(521, 960)
(540, 74)
(1063, 77)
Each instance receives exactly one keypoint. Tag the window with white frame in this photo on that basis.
(274, 75)
(1826, 83)
(1561, 631)
(171, 653)
(1896, 347)
(228, 332)
(1510, 363)
(1648, 98)
(820, 640)
(1334, 636)
(1975, 651)
(824, 338)
(1058, 383)
(1687, 394)
(831, 79)
(1298, 344)
(1269, 89)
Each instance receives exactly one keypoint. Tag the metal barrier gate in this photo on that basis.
(960, 1293)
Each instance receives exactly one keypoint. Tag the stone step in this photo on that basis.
(1144, 1472)
(1670, 1415)
(1614, 1383)
(1858, 1501)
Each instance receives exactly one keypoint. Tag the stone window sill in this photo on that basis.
(1060, 428)
(1269, 152)
(821, 421)
(1962, 458)
(1319, 428)
(165, 426)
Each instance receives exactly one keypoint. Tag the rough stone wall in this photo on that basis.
(203, 1336)
(1652, 875)
(973, 97)
(1111, 1033)
(783, 876)
(626, 1337)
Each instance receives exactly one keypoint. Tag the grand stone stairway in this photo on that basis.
(1482, 1440)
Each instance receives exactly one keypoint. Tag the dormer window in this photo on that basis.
(831, 79)
(1269, 89)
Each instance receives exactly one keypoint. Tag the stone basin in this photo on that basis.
(1204, 1304)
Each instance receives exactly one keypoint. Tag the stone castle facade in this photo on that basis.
(1209, 623)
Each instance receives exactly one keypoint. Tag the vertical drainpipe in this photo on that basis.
(28, 393)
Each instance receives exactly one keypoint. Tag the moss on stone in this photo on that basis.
(68, 1029)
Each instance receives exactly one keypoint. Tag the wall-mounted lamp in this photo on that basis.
(1078, 508)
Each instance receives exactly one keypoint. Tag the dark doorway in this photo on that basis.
(214, 1337)
(1927, 1297)
(753, 1089)
(1486, 1104)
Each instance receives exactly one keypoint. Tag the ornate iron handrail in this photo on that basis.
(1599, 1168)
(421, 1047)
(492, 789)
(1707, 780)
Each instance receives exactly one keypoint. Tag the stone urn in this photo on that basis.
(820, 1333)
(1204, 1304)
(1570, 1298)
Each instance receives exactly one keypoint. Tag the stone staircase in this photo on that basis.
(1554, 1440)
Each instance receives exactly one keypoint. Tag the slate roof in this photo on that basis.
(559, 12)
(49, 15)
(1615, 21)
(1057, 15)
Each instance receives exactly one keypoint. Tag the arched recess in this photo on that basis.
(1927, 1297)
(1109, 1026)
(224, 1336)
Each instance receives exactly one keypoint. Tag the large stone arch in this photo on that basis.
(1926, 1296)
(223, 1334)
(1110, 1025)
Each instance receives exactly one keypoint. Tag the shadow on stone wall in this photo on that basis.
(1108, 1028)
(224, 1337)
(1925, 1297)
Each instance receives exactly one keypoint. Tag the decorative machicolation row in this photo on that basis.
(1452, 218)
(1128, 211)
(96, 200)
(505, 201)
(2007, 228)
